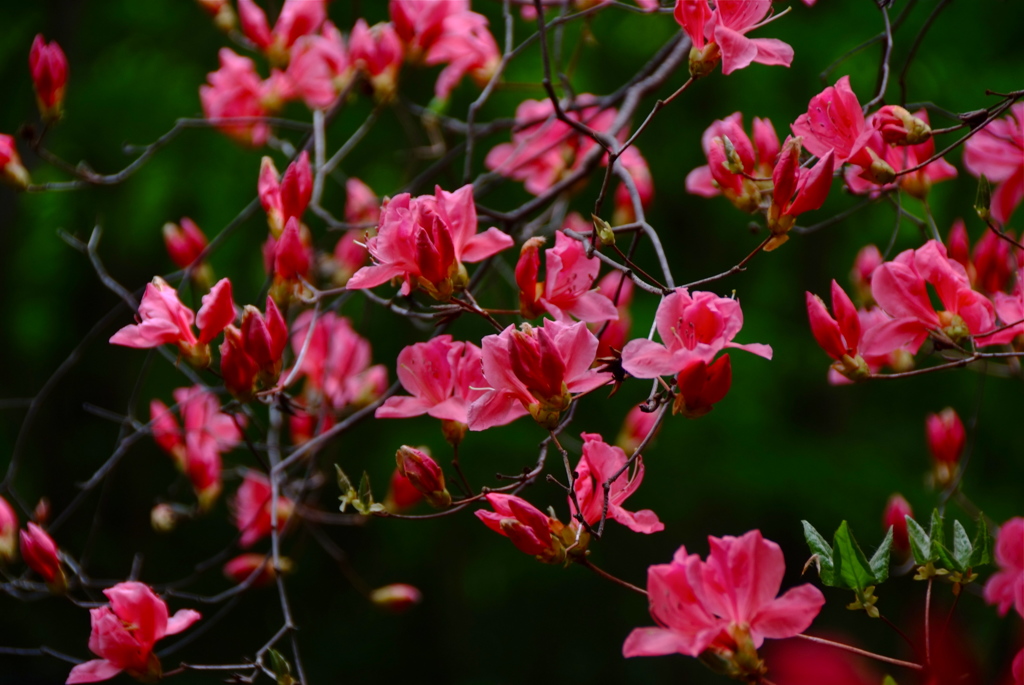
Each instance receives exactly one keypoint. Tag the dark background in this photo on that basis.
(782, 447)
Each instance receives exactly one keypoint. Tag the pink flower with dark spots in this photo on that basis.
(125, 632)
(601, 461)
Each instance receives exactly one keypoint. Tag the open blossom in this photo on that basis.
(692, 327)
(530, 530)
(164, 319)
(796, 190)
(720, 33)
(601, 461)
(12, 171)
(284, 197)
(726, 605)
(900, 288)
(990, 266)
(424, 241)
(298, 18)
(567, 288)
(251, 509)
(377, 52)
(612, 335)
(318, 70)
(1006, 587)
(336, 363)
(732, 156)
(39, 552)
(49, 68)
(124, 633)
(235, 90)
(997, 151)
(420, 24)
(443, 378)
(536, 371)
(465, 47)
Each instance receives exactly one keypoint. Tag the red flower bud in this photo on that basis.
(402, 494)
(49, 69)
(185, 242)
(424, 474)
(946, 436)
(896, 512)
(900, 127)
(239, 569)
(236, 366)
(12, 172)
(39, 552)
(527, 271)
(702, 386)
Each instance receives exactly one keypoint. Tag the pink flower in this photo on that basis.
(635, 427)
(164, 319)
(701, 386)
(396, 598)
(1010, 309)
(530, 530)
(424, 474)
(242, 567)
(601, 461)
(377, 52)
(466, 47)
(835, 121)
(236, 90)
(900, 288)
(185, 242)
(799, 662)
(402, 494)
(568, 286)
(337, 363)
(318, 68)
(288, 196)
(251, 509)
(795, 190)
(8, 532)
(721, 33)
(124, 633)
(613, 334)
(39, 552)
(946, 436)
(293, 257)
(726, 604)
(732, 157)
(692, 328)
(897, 509)
(49, 68)
(264, 338)
(535, 371)
(997, 151)
(1006, 587)
(425, 240)
(298, 18)
(867, 260)
(1017, 669)
(443, 378)
(840, 337)
(12, 171)
(420, 24)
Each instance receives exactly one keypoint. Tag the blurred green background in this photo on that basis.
(783, 446)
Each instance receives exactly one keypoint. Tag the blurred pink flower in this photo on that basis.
(1006, 587)
(235, 90)
(39, 552)
(251, 509)
(49, 69)
(997, 151)
(285, 197)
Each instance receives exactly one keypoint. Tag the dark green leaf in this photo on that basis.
(982, 553)
(851, 566)
(920, 542)
(962, 547)
(880, 559)
(938, 536)
(822, 549)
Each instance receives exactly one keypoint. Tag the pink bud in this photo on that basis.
(185, 242)
(239, 569)
(296, 187)
(361, 204)
(946, 436)
(8, 530)
(896, 512)
(635, 427)
(701, 386)
(291, 258)
(529, 529)
(527, 270)
(254, 24)
(402, 494)
(265, 338)
(236, 367)
(900, 127)
(424, 474)
(398, 597)
(49, 68)
(12, 172)
(39, 552)
(958, 245)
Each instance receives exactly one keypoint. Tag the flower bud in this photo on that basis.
(163, 518)
(946, 439)
(900, 127)
(402, 494)
(49, 68)
(396, 598)
(424, 474)
(527, 271)
(702, 386)
(40, 554)
(241, 567)
(635, 427)
(236, 367)
(12, 172)
(8, 531)
(41, 514)
(224, 17)
(896, 512)
(184, 242)
(867, 260)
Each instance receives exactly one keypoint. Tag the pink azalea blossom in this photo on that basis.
(466, 47)
(701, 386)
(1006, 587)
(612, 335)
(601, 461)
(377, 51)
(293, 257)
(795, 190)
(900, 288)
(897, 509)
(420, 24)
(319, 68)
(443, 378)
(1010, 309)
(251, 509)
(337, 362)
(39, 552)
(726, 604)
(241, 569)
(424, 241)
(997, 151)
(284, 197)
(184, 242)
(635, 428)
(867, 260)
(720, 33)
(424, 474)
(49, 69)
(125, 632)
(8, 532)
(946, 436)
(991, 265)
(567, 288)
(12, 171)
(298, 18)
(732, 157)
(235, 90)
(530, 530)
(692, 327)
(164, 319)
(402, 494)
(535, 371)
(840, 336)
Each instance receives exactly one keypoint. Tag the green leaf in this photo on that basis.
(962, 547)
(349, 496)
(889, 680)
(880, 559)
(982, 553)
(920, 542)
(938, 536)
(823, 551)
(851, 566)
